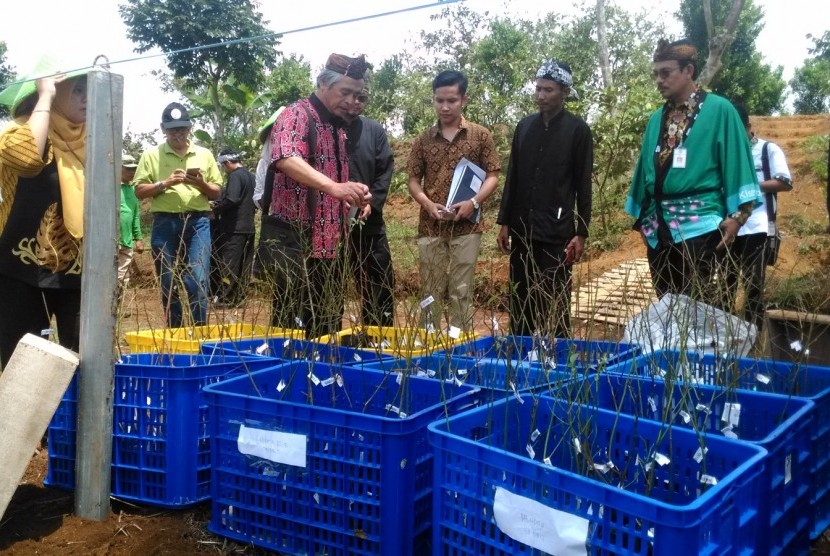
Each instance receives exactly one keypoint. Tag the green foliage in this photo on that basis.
(815, 151)
(803, 226)
(811, 82)
(174, 25)
(744, 78)
(289, 81)
(809, 292)
(7, 75)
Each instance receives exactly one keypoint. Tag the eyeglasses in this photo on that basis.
(663, 73)
(177, 131)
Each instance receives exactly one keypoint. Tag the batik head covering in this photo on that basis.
(558, 72)
(681, 49)
(229, 155)
(350, 67)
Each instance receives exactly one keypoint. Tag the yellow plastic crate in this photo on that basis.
(190, 339)
(402, 342)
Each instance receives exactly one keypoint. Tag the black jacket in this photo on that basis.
(548, 176)
(371, 162)
(235, 207)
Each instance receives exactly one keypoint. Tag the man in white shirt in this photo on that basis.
(750, 252)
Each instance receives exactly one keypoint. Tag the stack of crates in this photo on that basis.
(311, 458)
(160, 445)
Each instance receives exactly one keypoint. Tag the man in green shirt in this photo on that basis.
(180, 178)
(694, 185)
(131, 240)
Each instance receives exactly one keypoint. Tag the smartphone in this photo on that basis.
(192, 172)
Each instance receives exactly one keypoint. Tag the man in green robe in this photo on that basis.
(694, 184)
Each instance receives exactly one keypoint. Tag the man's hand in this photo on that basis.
(356, 194)
(729, 228)
(365, 212)
(463, 210)
(437, 211)
(503, 239)
(574, 250)
(138, 246)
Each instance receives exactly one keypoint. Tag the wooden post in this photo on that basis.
(98, 290)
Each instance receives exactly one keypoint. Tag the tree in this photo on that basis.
(7, 75)
(177, 25)
(811, 82)
(742, 76)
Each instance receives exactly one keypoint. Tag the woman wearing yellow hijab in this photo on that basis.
(42, 155)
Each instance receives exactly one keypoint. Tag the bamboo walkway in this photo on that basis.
(615, 296)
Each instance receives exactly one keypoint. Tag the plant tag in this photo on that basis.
(796, 345)
(47, 332)
(314, 379)
(516, 392)
(578, 446)
(399, 378)
(685, 416)
(495, 323)
(763, 379)
(299, 322)
(430, 373)
(286, 344)
(393, 408)
(281, 386)
(728, 432)
(652, 404)
(454, 332)
(357, 357)
(708, 480)
(426, 302)
(703, 408)
(534, 435)
(530, 451)
(328, 382)
(788, 469)
(533, 355)
(698, 457)
(462, 372)
(339, 380)
(661, 459)
(731, 414)
(262, 348)
(546, 461)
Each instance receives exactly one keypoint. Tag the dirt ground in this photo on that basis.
(40, 520)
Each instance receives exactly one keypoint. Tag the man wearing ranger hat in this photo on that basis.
(130, 238)
(180, 178)
(546, 206)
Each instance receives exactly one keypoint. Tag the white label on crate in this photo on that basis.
(530, 451)
(763, 379)
(700, 453)
(462, 372)
(328, 382)
(788, 469)
(454, 332)
(262, 348)
(534, 435)
(685, 416)
(703, 408)
(661, 459)
(539, 526)
(728, 432)
(357, 357)
(708, 480)
(546, 461)
(731, 414)
(280, 447)
(281, 386)
(427, 302)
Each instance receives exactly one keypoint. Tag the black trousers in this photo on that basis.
(231, 271)
(371, 263)
(307, 292)
(747, 260)
(540, 296)
(25, 308)
(689, 268)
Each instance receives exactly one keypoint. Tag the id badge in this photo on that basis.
(679, 160)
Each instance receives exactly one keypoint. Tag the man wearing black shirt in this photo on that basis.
(546, 206)
(234, 241)
(371, 162)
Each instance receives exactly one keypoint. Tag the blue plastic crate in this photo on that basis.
(759, 375)
(780, 424)
(364, 484)
(645, 504)
(288, 348)
(556, 353)
(510, 377)
(160, 445)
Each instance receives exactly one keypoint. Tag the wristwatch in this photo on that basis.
(475, 203)
(739, 216)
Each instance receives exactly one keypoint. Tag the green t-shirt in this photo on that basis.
(157, 164)
(719, 174)
(130, 227)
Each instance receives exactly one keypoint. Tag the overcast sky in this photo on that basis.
(77, 31)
